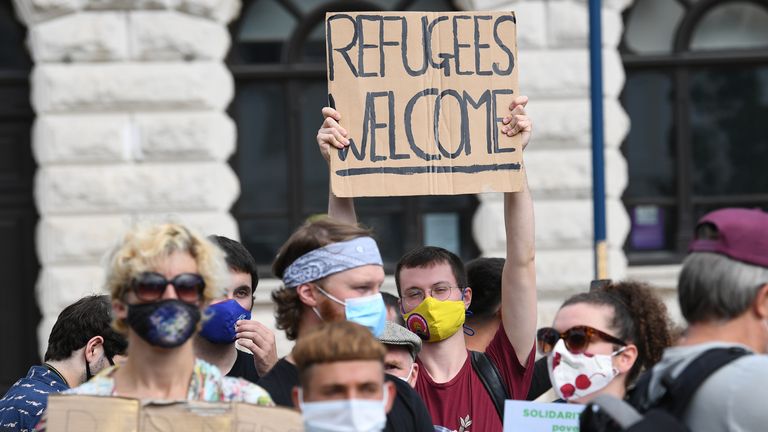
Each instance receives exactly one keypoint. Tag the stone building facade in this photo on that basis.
(133, 122)
(130, 98)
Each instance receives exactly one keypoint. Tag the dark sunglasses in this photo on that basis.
(150, 286)
(576, 339)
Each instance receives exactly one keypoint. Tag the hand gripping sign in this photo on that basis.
(423, 96)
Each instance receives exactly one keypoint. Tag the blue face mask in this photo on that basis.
(220, 319)
(369, 311)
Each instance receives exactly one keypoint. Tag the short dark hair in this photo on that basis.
(237, 256)
(392, 301)
(429, 256)
(79, 322)
(484, 277)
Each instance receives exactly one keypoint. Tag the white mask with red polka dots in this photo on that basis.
(574, 376)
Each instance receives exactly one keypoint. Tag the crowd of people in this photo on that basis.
(442, 355)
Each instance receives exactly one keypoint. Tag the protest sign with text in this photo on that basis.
(423, 95)
(541, 417)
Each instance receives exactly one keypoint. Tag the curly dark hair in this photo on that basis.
(314, 234)
(639, 317)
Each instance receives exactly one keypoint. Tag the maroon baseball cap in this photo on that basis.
(742, 234)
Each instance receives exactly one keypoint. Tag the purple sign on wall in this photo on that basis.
(647, 227)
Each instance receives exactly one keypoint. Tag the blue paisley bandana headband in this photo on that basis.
(330, 259)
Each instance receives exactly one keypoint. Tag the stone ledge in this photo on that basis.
(205, 223)
(222, 11)
(78, 239)
(81, 37)
(84, 240)
(169, 36)
(93, 138)
(563, 224)
(135, 188)
(131, 86)
(564, 73)
(185, 136)
(33, 11)
(565, 123)
(576, 32)
(57, 288)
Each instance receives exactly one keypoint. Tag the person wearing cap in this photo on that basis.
(332, 272)
(402, 348)
(723, 294)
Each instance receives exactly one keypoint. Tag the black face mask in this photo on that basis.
(165, 324)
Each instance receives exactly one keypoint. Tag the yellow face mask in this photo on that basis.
(435, 320)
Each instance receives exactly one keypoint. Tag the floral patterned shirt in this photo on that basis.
(206, 384)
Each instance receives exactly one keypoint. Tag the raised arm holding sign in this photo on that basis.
(432, 282)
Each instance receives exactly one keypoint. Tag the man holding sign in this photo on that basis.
(432, 281)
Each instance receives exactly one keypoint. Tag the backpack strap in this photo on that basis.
(619, 411)
(681, 390)
(491, 379)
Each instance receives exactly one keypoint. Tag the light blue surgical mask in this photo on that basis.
(346, 415)
(220, 319)
(369, 311)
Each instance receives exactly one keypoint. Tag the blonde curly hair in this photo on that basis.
(144, 247)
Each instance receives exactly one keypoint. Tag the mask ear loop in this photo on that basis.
(469, 331)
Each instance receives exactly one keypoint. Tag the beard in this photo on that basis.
(331, 311)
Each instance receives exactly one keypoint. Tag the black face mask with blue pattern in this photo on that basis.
(165, 324)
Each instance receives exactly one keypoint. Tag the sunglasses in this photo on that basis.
(150, 286)
(576, 339)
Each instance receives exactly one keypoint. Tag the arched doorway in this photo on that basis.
(19, 315)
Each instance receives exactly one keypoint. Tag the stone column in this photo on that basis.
(554, 71)
(130, 97)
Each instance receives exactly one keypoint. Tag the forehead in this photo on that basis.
(349, 373)
(399, 354)
(364, 275)
(580, 314)
(238, 279)
(427, 277)
(176, 263)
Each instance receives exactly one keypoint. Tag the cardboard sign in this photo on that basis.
(541, 417)
(423, 95)
(74, 413)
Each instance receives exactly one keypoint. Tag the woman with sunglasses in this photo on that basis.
(161, 278)
(601, 340)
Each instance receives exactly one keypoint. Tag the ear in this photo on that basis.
(624, 361)
(761, 302)
(295, 397)
(119, 310)
(467, 297)
(306, 294)
(92, 348)
(391, 393)
(414, 375)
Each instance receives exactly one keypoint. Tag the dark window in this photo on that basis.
(19, 315)
(697, 95)
(278, 61)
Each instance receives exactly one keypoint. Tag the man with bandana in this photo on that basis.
(81, 344)
(434, 298)
(332, 271)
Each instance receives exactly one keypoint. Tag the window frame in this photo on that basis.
(679, 63)
(291, 72)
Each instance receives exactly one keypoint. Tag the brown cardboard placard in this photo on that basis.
(422, 95)
(75, 413)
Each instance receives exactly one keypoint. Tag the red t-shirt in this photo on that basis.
(463, 404)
